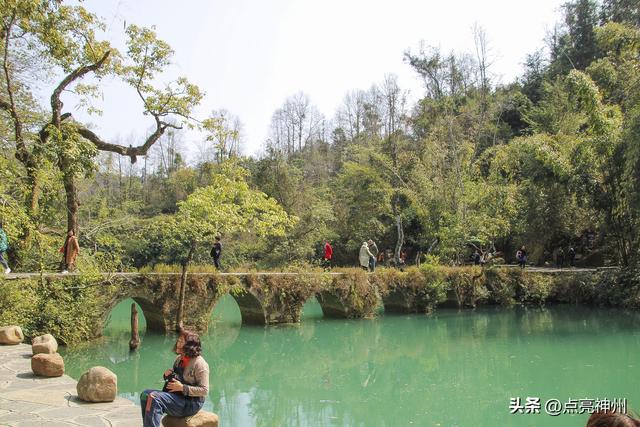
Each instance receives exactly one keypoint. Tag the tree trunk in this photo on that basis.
(399, 230)
(73, 204)
(183, 288)
(36, 190)
(135, 338)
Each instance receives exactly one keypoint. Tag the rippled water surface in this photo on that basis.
(453, 368)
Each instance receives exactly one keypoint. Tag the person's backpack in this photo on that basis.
(519, 255)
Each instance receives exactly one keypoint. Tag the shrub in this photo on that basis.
(283, 295)
(430, 286)
(67, 308)
(501, 284)
(353, 290)
(465, 283)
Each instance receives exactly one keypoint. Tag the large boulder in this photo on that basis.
(201, 419)
(11, 335)
(47, 365)
(44, 344)
(98, 384)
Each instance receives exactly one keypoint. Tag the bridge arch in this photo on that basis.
(152, 313)
(311, 309)
(251, 309)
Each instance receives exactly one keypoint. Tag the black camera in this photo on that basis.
(167, 379)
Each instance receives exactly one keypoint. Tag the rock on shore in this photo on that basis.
(201, 419)
(44, 344)
(98, 384)
(11, 335)
(47, 365)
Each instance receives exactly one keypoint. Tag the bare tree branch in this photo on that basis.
(130, 151)
(56, 103)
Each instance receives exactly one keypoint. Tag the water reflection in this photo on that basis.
(451, 368)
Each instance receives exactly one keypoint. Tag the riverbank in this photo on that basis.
(27, 400)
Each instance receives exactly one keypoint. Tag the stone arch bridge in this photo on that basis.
(263, 298)
(275, 298)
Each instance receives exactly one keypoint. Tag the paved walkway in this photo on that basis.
(30, 401)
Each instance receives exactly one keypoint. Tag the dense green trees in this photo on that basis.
(551, 160)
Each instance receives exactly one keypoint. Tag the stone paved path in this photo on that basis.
(30, 401)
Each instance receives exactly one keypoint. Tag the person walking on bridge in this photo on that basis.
(4, 245)
(70, 251)
(560, 258)
(216, 251)
(521, 257)
(572, 257)
(364, 256)
(373, 248)
(328, 254)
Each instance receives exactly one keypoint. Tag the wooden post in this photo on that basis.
(181, 296)
(135, 338)
(183, 287)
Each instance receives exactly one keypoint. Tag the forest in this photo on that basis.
(550, 160)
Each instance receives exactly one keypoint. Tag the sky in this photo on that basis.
(248, 56)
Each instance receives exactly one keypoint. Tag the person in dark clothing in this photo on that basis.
(328, 254)
(572, 257)
(216, 251)
(521, 257)
(560, 258)
(476, 258)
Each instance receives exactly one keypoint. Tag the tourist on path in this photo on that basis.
(70, 251)
(373, 248)
(364, 256)
(403, 259)
(328, 254)
(216, 251)
(187, 384)
(521, 257)
(4, 245)
(560, 258)
(476, 258)
(572, 257)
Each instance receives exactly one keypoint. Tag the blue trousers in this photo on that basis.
(155, 403)
(3, 261)
(372, 264)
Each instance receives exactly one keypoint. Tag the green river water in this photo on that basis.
(453, 368)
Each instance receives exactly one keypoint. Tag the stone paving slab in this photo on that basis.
(30, 401)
